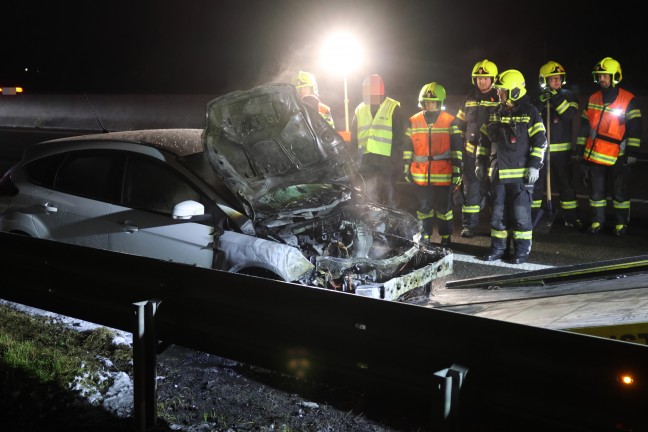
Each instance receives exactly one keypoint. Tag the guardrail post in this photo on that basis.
(445, 408)
(144, 366)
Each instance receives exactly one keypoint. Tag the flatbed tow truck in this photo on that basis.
(607, 299)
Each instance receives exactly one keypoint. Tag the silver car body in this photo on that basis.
(267, 188)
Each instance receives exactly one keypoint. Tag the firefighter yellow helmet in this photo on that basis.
(552, 68)
(306, 79)
(513, 81)
(432, 92)
(484, 68)
(608, 66)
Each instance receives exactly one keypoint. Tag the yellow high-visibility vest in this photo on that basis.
(375, 133)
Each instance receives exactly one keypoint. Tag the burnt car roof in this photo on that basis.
(181, 142)
(266, 138)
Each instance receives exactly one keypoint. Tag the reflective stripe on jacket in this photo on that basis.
(475, 112)
(562, 112)
(432, 159)
(512, 142)
(607, 127)
(375, 133)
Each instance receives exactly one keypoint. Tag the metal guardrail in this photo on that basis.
(424, 360)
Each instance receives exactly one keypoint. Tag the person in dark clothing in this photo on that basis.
(378, 132)
(474, 112)
(607, 145)
(511, 150)
(558, 106)
(306, 86)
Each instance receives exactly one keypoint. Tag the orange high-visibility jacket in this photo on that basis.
(325, 111)
(432, 159)
(607, 127)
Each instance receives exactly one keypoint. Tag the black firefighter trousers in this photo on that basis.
(511, 217)
(619, 176)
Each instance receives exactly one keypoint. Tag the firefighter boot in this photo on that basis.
(467, 232)
(445, 241)
(595, 228)
(427, 223)
(521, 259)
(497, 249)
(572, 220)
(522, 251)
(620, 230)
(576, 223)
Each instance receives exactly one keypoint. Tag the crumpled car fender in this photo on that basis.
(244, 251)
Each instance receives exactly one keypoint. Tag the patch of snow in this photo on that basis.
(120, 337)
(119, 397)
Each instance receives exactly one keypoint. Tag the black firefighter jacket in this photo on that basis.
(512, 141)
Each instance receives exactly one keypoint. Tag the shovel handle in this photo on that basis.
(548, 151)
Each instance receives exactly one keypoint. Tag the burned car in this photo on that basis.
(297, 181)
(266, 189)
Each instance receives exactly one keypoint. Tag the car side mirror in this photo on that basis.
(187, 210)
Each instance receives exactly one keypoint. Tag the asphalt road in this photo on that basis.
(560, 247)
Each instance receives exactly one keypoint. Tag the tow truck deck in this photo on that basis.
(607, 299)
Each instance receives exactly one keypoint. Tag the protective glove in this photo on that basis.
(631, 160)
(532, 175)
(480, 172)
(547, 94)
(407, 176)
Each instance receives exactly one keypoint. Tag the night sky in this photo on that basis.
(215, 46)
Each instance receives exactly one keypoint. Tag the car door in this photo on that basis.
(143, 220)
(73, 194)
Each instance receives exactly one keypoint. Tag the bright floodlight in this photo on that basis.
(342, 53)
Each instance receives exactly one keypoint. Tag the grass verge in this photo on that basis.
(48, 369)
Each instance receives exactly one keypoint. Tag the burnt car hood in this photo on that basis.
(275, 153)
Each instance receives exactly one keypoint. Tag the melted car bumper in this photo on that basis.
(397, 287)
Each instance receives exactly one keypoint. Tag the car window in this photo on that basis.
(154, 186)
(95, 174)
(42, 172)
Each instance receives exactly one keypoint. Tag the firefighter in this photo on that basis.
(479, 102)
(307, 88)
(563, 106)
(433, 161)
(377, 133)
(511, 150)
(608, 144)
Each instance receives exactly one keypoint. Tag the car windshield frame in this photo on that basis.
(303, 196)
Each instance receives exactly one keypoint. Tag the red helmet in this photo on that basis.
(373, 90)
